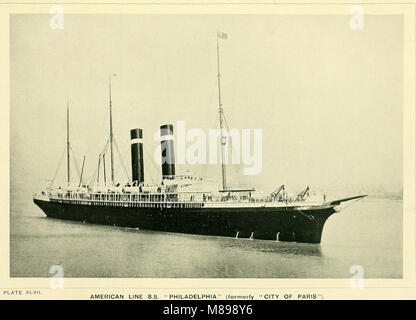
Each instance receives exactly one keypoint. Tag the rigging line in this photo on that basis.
(82, 172)
(126, 149)
(228, 128)
(152, 176)
(91, 181)
(92, 178)
(126, 152)
(102, 125)
(152, 162)
(94, 175)
(215, 124)
(105, 147)
(225, 120)
(121, 159)
(57, 169)
(76, 163)
(234, 169)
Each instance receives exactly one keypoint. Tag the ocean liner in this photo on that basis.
(183, 203)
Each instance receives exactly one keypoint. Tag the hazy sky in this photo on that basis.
(329, 99)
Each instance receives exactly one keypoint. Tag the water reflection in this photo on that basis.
(255, 245)
(270, 247)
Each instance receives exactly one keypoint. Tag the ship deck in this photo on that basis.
(165, 202)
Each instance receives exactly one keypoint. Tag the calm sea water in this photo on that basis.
(369, 234)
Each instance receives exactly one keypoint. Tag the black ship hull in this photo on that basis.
(267, 223)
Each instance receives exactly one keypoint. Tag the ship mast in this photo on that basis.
(98, 171)
(82, 172)
(105, 174)
(67, 145)
(223, 139)
(111, 135)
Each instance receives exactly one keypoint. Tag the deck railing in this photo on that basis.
(146, 198)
